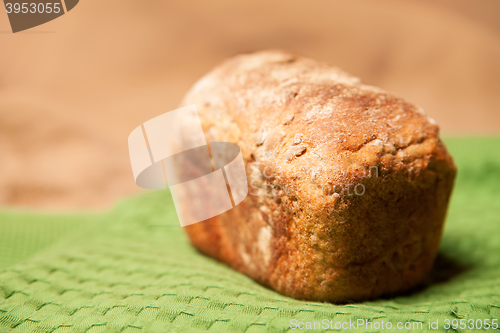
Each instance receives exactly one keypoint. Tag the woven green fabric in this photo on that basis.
(132, 269)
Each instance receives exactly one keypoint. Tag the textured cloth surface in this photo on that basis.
(133, 270)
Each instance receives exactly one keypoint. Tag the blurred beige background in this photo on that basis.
(73, 89)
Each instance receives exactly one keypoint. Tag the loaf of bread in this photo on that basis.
(348, 184)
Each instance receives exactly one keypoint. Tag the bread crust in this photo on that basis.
(348, 184)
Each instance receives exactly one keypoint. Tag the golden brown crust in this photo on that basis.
(349, 185)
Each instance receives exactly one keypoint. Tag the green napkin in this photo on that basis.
(132, 270)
